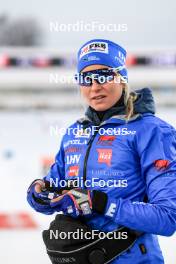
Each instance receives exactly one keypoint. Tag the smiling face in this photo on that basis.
(101, 96)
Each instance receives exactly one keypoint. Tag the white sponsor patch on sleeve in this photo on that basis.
(111, 210)
(94, 47)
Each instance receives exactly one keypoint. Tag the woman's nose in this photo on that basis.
(95, 86)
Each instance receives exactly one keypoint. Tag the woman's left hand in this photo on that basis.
(74, 202)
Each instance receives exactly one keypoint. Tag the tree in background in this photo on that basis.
(19, 32)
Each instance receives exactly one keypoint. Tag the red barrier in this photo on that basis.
(131, 60)
(17, 221)
(4, 61)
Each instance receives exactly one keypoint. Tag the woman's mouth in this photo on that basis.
(98, 98)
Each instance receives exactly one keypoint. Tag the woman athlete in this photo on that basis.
(122, 155)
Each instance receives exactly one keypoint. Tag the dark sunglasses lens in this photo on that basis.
(105, 78)
(83, 79)
(86, 80)
(100, 76)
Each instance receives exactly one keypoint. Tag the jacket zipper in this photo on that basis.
(87, 156)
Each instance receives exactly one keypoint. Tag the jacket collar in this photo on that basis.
(144, 104)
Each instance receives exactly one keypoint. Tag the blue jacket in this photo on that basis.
(141, 158)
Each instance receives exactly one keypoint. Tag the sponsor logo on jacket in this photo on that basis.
(161, 164)
(107, 173)
(73, 171)
(105, 156)
(72, 159)
(75, 142)
(105, 140)
(82, 134)
(73, 149)
(124, 131)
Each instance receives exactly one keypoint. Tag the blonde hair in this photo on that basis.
(129, 99)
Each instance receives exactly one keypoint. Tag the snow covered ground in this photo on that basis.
(25, 139)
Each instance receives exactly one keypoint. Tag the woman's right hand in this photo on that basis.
(39, 186)
(38, 197)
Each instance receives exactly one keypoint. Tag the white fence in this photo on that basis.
(44, 86)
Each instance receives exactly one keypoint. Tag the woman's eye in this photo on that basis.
(102, 79)
(110, 78)
(87, 80)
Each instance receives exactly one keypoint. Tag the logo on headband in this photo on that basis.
(120, 58)
(94, 47)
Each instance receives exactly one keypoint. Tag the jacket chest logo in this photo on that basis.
(73, 171)
(73, 159)
(106, 140)
(105, 156)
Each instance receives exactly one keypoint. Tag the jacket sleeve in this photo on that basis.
(57, 171)
(156, 148)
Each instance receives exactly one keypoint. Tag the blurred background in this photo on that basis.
(38, 45)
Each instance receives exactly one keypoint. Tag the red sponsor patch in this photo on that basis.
(73, 171)
(73, 149)
(161, 164)
(105, 140)
(105, 156)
